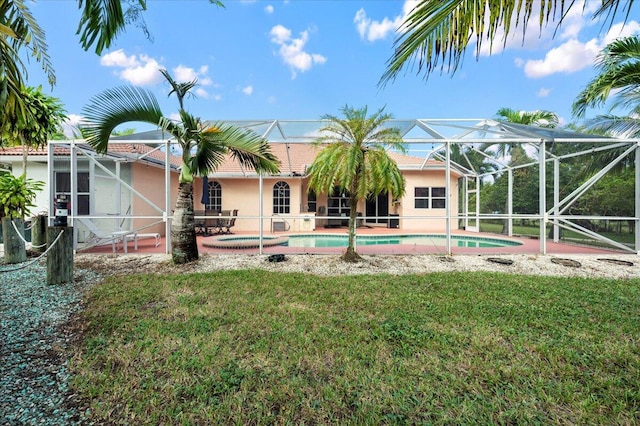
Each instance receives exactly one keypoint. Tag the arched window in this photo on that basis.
(214, 202)
(281, 197)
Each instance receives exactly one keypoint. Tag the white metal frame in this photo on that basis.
(441, 134)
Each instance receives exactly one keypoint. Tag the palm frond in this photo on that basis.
(436, 34)
(610, 8)
(103, 20)
(245, 146)
(19, 31)
(614, 126)
(114, 107)
(354, 156)
(618, 67)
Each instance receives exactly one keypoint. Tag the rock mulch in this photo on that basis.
(34, 344)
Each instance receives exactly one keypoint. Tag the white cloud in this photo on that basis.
(138, 70)
(372, 30)
(280, 34)
(268, 9)
(202, 93)
(217, 97)
(543, 92)
(292, 50)
(574, 55)
(183, 74)
(247, 90)
(567, 58)
(118, 58)
(621, 30)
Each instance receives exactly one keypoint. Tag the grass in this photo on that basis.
(254, 347)
(534, 230)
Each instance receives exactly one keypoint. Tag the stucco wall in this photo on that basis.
(244, 194)
(426, 219)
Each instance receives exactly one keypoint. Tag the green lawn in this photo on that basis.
(254, 347)
(569, 236)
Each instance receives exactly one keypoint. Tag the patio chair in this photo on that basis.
(199, 222)
(98, 236)
(227, 223)
(211, 222)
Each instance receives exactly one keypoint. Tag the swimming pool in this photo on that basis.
(332, 240)
(440, 240)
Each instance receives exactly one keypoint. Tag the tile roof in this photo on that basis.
(134, 151)
(294, 157)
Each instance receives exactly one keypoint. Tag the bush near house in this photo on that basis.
(17, 195)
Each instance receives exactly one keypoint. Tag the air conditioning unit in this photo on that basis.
(279, 226)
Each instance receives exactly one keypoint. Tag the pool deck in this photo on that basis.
(528, 246)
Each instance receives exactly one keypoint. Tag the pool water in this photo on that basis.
(417, 239)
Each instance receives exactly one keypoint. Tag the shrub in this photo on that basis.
(17, 194)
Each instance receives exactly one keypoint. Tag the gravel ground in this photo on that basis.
(34, 345)
(35, 342)
(616, 266)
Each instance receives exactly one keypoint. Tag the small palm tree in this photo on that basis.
(356, 160)
(203, 147)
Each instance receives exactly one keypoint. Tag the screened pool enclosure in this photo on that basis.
(546, 178)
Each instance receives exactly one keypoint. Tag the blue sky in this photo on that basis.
(300, 59)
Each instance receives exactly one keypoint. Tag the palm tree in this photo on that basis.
(538, 118)
(355, 159)
(436, 34)
(618, 67)
(203, 146)
(19, 30)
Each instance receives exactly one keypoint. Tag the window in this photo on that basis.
(214, 201)
(281, 197)
(430, 198)
(63, 187)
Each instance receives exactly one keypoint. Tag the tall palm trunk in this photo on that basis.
(351, 255)
(183, 234)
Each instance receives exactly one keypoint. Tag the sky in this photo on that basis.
(302, 59)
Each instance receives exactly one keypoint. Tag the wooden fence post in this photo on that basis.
(14, 248)
(39, 233)
(60, 256)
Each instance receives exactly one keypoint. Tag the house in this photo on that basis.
(125, 189)
(288, 204)
(134, 186)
